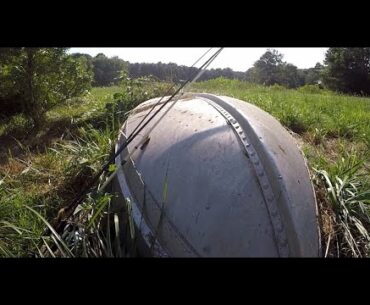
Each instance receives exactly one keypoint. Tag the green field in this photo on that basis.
(334, 133)
(331, 126)
(45, 169)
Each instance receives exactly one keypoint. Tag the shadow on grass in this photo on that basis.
(19, 143)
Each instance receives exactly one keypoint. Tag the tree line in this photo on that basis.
(344, 69)
(268, 70)
(107, 71)
(32, 80)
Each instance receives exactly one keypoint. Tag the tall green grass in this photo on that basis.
(39, 178)
(333, 115)
(347, 185)
(45, 183)
(335, 131)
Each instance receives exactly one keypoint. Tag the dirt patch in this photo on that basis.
(32, 141)
(326, 222)
(12, 167)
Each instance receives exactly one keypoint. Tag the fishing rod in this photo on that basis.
(199, 73)
(66, 212)
(165, 94)
(145, 138)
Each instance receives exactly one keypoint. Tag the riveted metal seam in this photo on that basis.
(270, 200)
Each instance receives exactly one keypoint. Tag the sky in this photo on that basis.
(238, 59)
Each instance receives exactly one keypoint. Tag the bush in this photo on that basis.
(32, 80)
(313, 89)
(277, 87)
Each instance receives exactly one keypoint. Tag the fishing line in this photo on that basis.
(165, 94)
(146, 136)
(65, 212)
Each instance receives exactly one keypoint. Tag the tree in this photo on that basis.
(266, 69)
(348, 70)
(41, 77)
(175, 73)
(107, 71)
(289, 76)
(313, 75)
(250, 75)
(76, 77)
(270, 69)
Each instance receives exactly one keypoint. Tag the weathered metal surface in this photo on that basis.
(219, 177)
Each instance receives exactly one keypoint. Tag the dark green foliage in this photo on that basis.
(348, 70)
(107, 70)
(135, 91)
(32, 80)
(174, 73)
(313, 75)
(266, 69)
(76, 77)
(35, 183)
(270, 70)
(290, 76)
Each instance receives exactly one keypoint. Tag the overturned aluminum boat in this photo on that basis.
(218, 177)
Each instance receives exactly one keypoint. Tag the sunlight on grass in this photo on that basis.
(44, 171)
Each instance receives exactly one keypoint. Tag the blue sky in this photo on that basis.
(238, 59)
